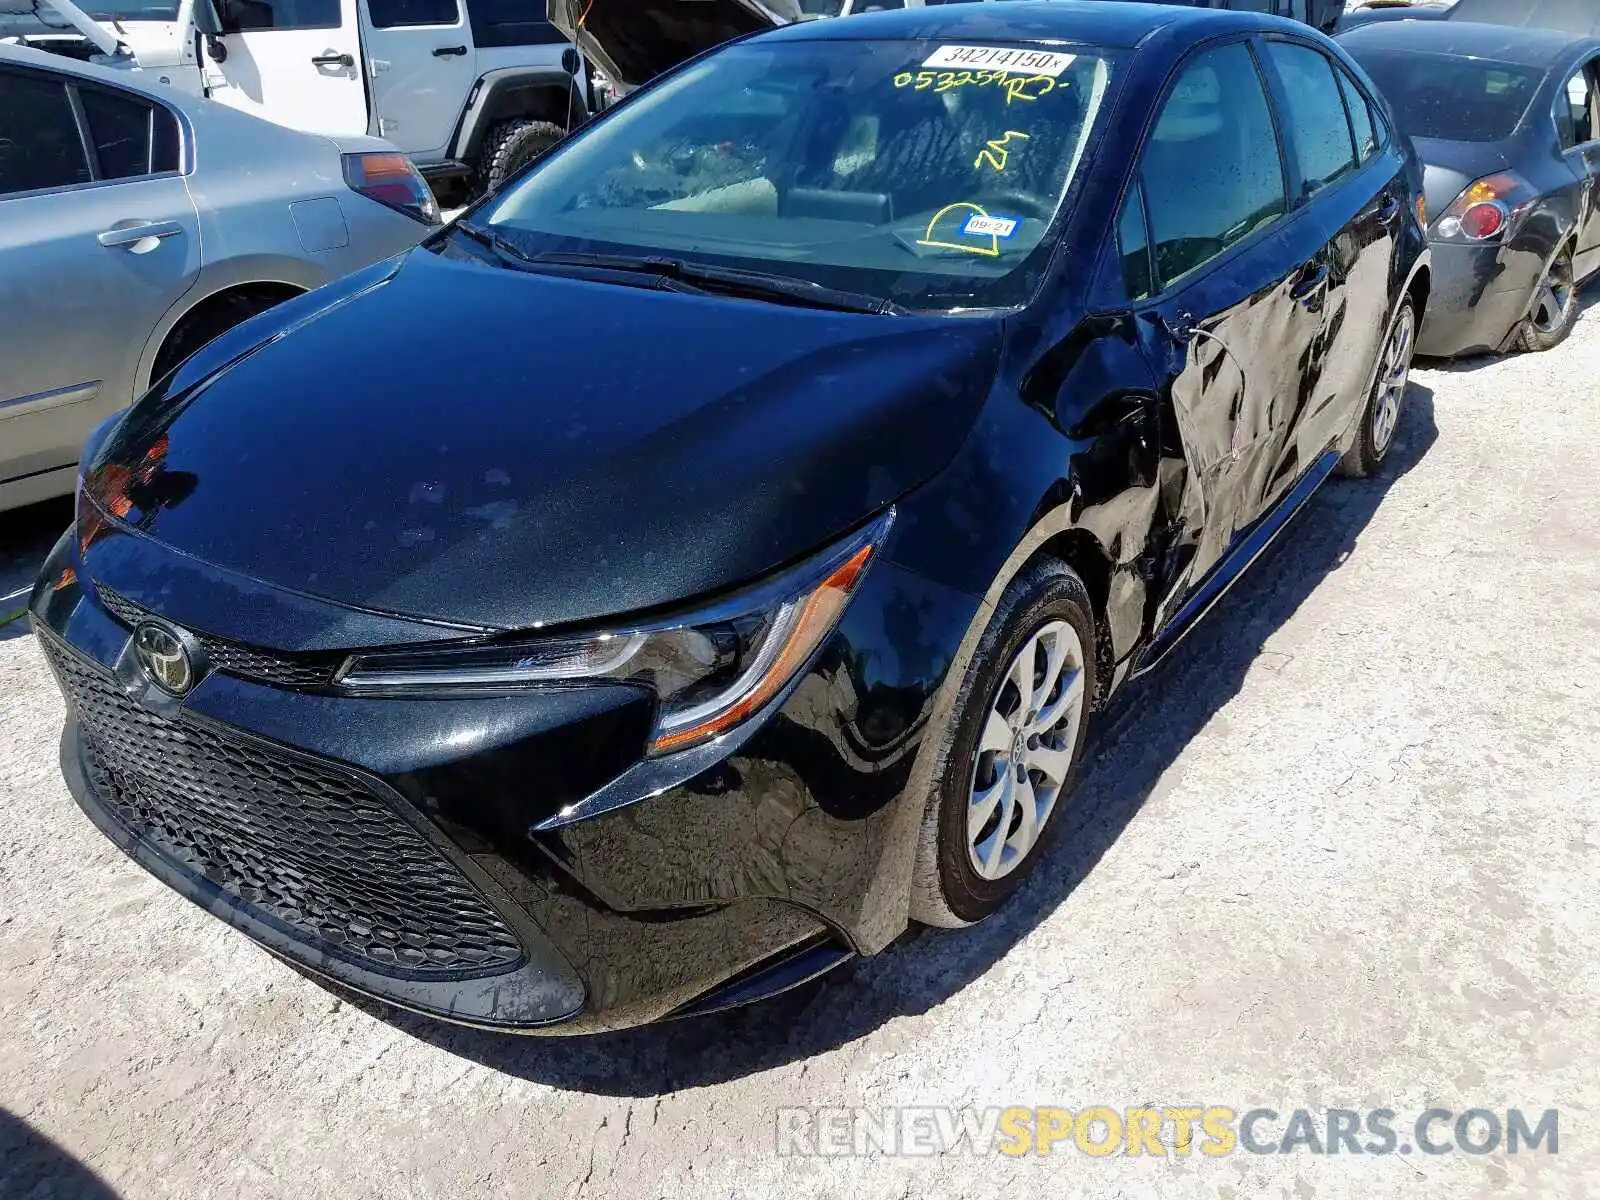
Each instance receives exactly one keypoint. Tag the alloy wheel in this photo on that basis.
(1026, 749)
(1393, 375)
(1556, 294)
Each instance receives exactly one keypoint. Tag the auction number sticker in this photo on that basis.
(1011, 60)
(1000, 227)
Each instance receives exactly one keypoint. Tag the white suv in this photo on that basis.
(469, 89)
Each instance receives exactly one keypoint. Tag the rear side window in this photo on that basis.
(1361, 120)
(511, 23)
(395, 14)
(39, 143)
(244, 16)
(1575, 110)
(1211, 172)
(1133, 245)
(1319, 129)
(131, 137)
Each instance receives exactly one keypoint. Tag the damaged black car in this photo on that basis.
(708, 555)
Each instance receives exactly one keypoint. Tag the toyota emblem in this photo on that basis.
(164, 654)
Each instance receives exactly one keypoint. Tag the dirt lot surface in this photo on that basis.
(1340, 853)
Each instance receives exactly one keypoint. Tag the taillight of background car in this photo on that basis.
(391, 179)
(1484, 209)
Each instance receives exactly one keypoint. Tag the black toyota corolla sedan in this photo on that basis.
(1507, 124)
(708, 555)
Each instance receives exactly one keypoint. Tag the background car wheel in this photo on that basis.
(1008, 754)
(1555, 306)
(511, 146)
(1384, 405)
(211, 319)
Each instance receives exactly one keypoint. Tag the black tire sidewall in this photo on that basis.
(1535, 341)
(1365, 458)
(1045, 592)
(515, 144)
(194, 332)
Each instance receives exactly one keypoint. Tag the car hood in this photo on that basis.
(633, 41)
(1448, 167)
(502, 449)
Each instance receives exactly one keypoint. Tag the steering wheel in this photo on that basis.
(1017, 201)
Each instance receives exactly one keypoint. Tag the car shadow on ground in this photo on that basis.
(26, 535)
(1138, 738)
(33, 1165)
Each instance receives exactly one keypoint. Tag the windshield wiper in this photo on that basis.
(503, 247)
(733, 281)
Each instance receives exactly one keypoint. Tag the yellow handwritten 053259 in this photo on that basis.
(1017, 87)
(994, 151)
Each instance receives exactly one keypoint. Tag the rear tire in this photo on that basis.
(994, 807)
(1555, 307)
(210, 320)
(512, 145)
(1386, 402)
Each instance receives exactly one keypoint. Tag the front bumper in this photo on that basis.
(405, 848)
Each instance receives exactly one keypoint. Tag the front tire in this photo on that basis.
(1381, 417)
(1007, 758)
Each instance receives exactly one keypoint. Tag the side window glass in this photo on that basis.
(244, 16)
(1133, 245)
(1360, 118)
(1320, 131)
(395, 14)
(122, 129)
(39, 143)
(512, 23)
(1577, 121)
(1212, 173)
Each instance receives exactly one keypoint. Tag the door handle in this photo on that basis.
(1309, 287)
(137, 233)
(1388, 210)
(447, 51)
(330, 59)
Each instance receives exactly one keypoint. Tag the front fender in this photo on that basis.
(488, 102)
(1063, 459)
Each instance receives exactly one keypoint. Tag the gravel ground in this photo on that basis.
(1338, 853)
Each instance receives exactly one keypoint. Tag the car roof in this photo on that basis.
(1573, 16)
(1466, 39)
(1095, 22)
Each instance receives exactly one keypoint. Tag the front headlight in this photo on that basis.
(710, 669)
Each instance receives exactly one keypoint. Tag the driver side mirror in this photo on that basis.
(209, 23)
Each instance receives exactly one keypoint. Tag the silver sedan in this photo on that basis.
(136, 224)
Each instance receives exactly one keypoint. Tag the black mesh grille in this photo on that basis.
(304, 844)
(261, 666)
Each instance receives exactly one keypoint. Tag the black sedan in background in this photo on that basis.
(709, 554)
(1507, 122)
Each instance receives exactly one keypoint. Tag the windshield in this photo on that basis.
(921, 173)
(1457, 99)
(131, 10)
